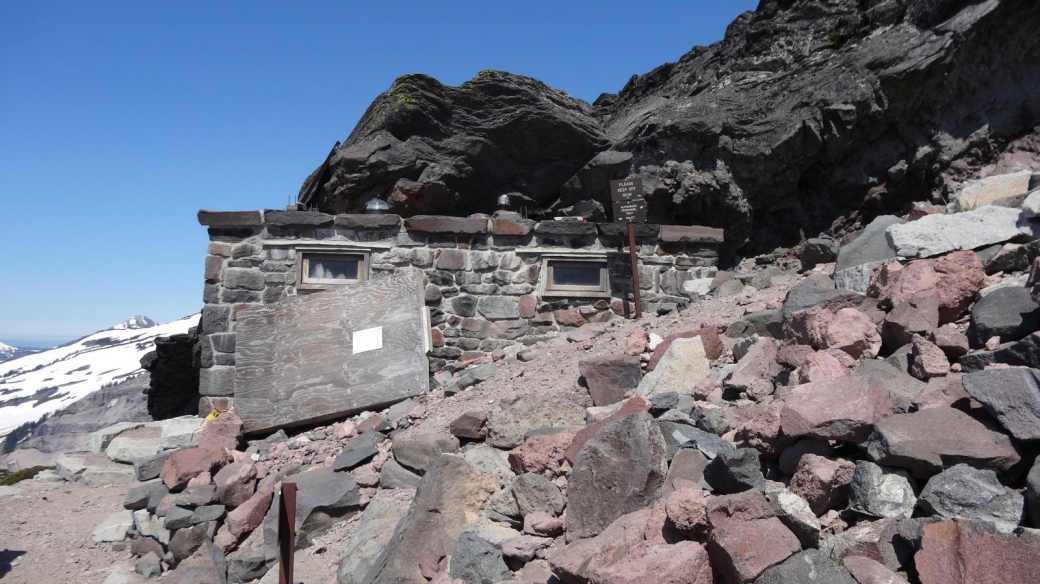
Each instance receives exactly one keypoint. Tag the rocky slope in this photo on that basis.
(865, 412)
(807, 113)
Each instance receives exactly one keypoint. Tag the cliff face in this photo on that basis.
(807, 113)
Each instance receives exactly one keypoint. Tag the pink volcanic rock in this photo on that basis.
(637, 342)
(250, 514)
(961, 276)
(819, 366)
(742, 550)
(822, 482)
(964, 552)
(541, 454)
(235, 483)
(222, 433)
(868, 571)
(893, 283)
(943, 392)
(575, 561)
(543, 524)
(186, 464)
(745, 506)
(841, 408)
(687, 510)
(927, 360)
(794, 356)
(686, 562)
(918, 315)
(853, 332)
(807, 327)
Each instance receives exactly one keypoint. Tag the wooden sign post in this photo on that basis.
(630, 208)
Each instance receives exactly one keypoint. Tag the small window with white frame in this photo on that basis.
(576, 277)
(319, 269)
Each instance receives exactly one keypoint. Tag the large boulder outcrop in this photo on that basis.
(798, 116)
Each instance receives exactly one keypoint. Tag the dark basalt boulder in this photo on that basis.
(174, 365)
(806, 112)
(435, 149)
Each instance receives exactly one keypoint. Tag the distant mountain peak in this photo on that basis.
(7, 349)
(135, 322)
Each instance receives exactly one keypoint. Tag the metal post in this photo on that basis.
(286, 533)
(635, 269)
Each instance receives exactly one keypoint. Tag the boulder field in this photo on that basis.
(789, 429)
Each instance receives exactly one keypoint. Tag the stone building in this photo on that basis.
(490, 282)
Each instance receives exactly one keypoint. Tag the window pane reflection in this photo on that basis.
(325, 269)
(576, 276)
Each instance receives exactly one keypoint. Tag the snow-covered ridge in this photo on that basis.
(48, 381)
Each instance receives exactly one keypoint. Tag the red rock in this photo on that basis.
(637, 342)
(527, 306)
(761, 427)
(658, 529)
(794, 356)
(221, 434)
(686, 562)
(610, 378)
(630, 406)
(713, 346)
(250, 514)
(707, 389)
(819, 366)
(807, 327)
(961, 276)
(927, 360)
(569, 317)
(952, 342)
(943, 392)
(224, 540)
(575, 561)
(235, 483)
(792, 455)
(365, 476)
(846, 360)
(541, 454)
(958, 277)
(371, 423)
(437, 337)
(893, 283)
(868, 571)
(927, 441)
(472, 425)
(853, 332)
(922, 209)
(686, 470)
(184, 465)
(537, 572)
(687, 510)
(203, 478)
(962, 552)
(742, 550)
(757, 365)
(543, 524)
(746, 506)
(822, 482)
(842, 408)
(919, 314)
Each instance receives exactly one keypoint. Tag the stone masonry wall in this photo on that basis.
(483, 275)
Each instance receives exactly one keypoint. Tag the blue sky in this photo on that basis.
(119, 120)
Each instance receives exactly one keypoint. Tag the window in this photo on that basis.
(320, 269)
(576, 278)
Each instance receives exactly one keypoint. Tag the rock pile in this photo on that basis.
(831, 437)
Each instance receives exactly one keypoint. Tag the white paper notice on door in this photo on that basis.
(368, 340)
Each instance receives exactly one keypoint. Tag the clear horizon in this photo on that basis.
(121, 120)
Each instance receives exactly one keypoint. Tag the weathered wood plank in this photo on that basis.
(295, 361)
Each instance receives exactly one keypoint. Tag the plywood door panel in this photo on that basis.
(295, 361)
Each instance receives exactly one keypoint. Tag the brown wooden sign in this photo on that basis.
(630, 208)
(627, 196)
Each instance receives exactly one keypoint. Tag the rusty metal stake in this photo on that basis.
(286, 533)
(635, 268)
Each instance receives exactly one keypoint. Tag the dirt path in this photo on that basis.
(45, 533)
